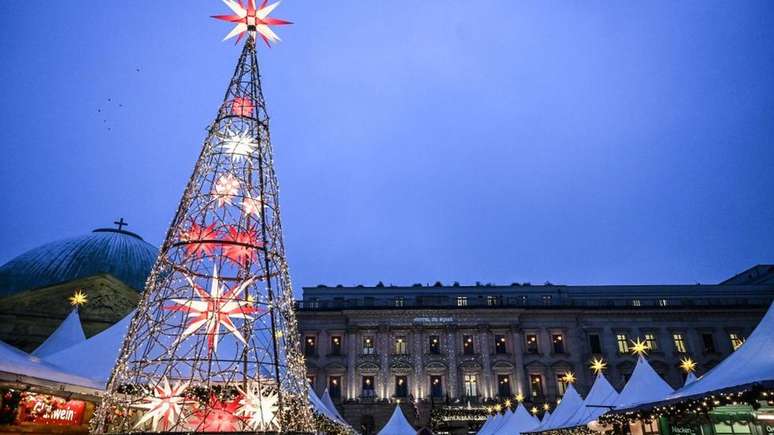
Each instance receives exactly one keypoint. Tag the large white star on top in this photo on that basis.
(214, 309)
(254, 20)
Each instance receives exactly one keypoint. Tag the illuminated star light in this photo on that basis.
(214, 309)
(687, 364)
(252, 206)
(239, 145)
(597, 365)
(242, 106)
(199, 239)
(639, 347)
(569, 377)
(164, 406)
(260, 410)
(519, 397)
(252, 20)
(226, 188)
(534, 410)
(78, 298)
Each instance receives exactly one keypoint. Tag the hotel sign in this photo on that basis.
(433, 320)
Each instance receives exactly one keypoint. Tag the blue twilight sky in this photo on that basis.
(493, 140)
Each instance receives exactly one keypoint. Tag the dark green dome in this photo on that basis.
(120, 253)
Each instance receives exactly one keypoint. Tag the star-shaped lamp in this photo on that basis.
(78, 298)
(519, 397)
(252, 20)
(639, 347)
(597, 365)
(687, 364)
(534, 410)
(569, 377)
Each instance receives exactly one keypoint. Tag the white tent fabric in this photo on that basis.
(486, 424)
(397, 424)
(518, 422)
(571, 402)
(497, 422)
(491, 424)
(753, 362)
(601, 395)
(94, 358)
(320, 407)
(326, 400)
(546, 417)
(19, 364)
(68, 333)
(645, 385)
(690, 378)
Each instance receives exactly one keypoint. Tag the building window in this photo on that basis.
(312, 303)
(558, 343)
(435, 345)
(523, 300)
(734, 428)
(561, 384)
(500, 344)
(536, 386)
(546, 299)
(311, 379)
(368, 345)
(503, 386)
(636, 303)
(310, 345)
(492, 300)
(334, 386)
(400, 301)
(467, 345)
(401, 347)
(595, 344)
(471, 385)
(368, 387)
(436, 387)
(736, 340)
(663, 302)
(532, 343)
(401, 386)
(708, 340)
(679, 342)
(650, 341)
(462, 301)
(623, 343)
(335, 345)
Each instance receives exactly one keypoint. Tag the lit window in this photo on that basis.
(546, 299)
(310, 345)
(368, 386)
(650, 341)
(334, 386)
(532, 343)
(503, 386)
(400, 301)
(368, 345)
(436, 387)
(492, 300)
(500, 343)
(462, 301)
(561, 384)
(636, 303)
(536, 385)
(679, 342)
(736, 340)
(623, 343)
(435, 345)
(335, 345)
(401, 347)
(663, 302)
(401, 386)
(471, 385)
(558, 342)
(467, 345)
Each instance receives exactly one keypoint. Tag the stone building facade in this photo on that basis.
(438, 346)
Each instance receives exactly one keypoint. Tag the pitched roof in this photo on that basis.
(321, 408)
(645, 385)
(570, 403)
(397, 424)
(68, 333)
(518, 422)
(18, 364)
(601, 396)
(326, 400)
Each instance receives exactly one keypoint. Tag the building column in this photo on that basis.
(383, 343)
(418, 363)
(518, 360)
(451, 354)
(351, 345)
(486, 361)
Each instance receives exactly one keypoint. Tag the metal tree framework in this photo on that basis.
(213, 346)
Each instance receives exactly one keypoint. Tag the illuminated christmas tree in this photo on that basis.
(213, 346)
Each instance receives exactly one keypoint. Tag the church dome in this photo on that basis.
(120, 253)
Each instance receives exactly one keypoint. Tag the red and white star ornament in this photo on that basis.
(164, 406)
(259, 408)
(252, 20)
(240, 246)
(214, 309)
(242, 106)
(225, 189)
(200, 239)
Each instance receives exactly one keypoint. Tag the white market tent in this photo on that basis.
(492, 423)
(600, 399)
(752, 363)
(397, 424)
(18, 366)
(498, 422)
(645, 385)
(94, 358)
(326, 400)
(546, 417)
(518, 422)
(320, 408)
(68, 333)
(689, 379)
(571, 402)
(486, 424)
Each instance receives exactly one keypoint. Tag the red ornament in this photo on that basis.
(242, 106)
(240, 247)
(217, 416)
(200, 240)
